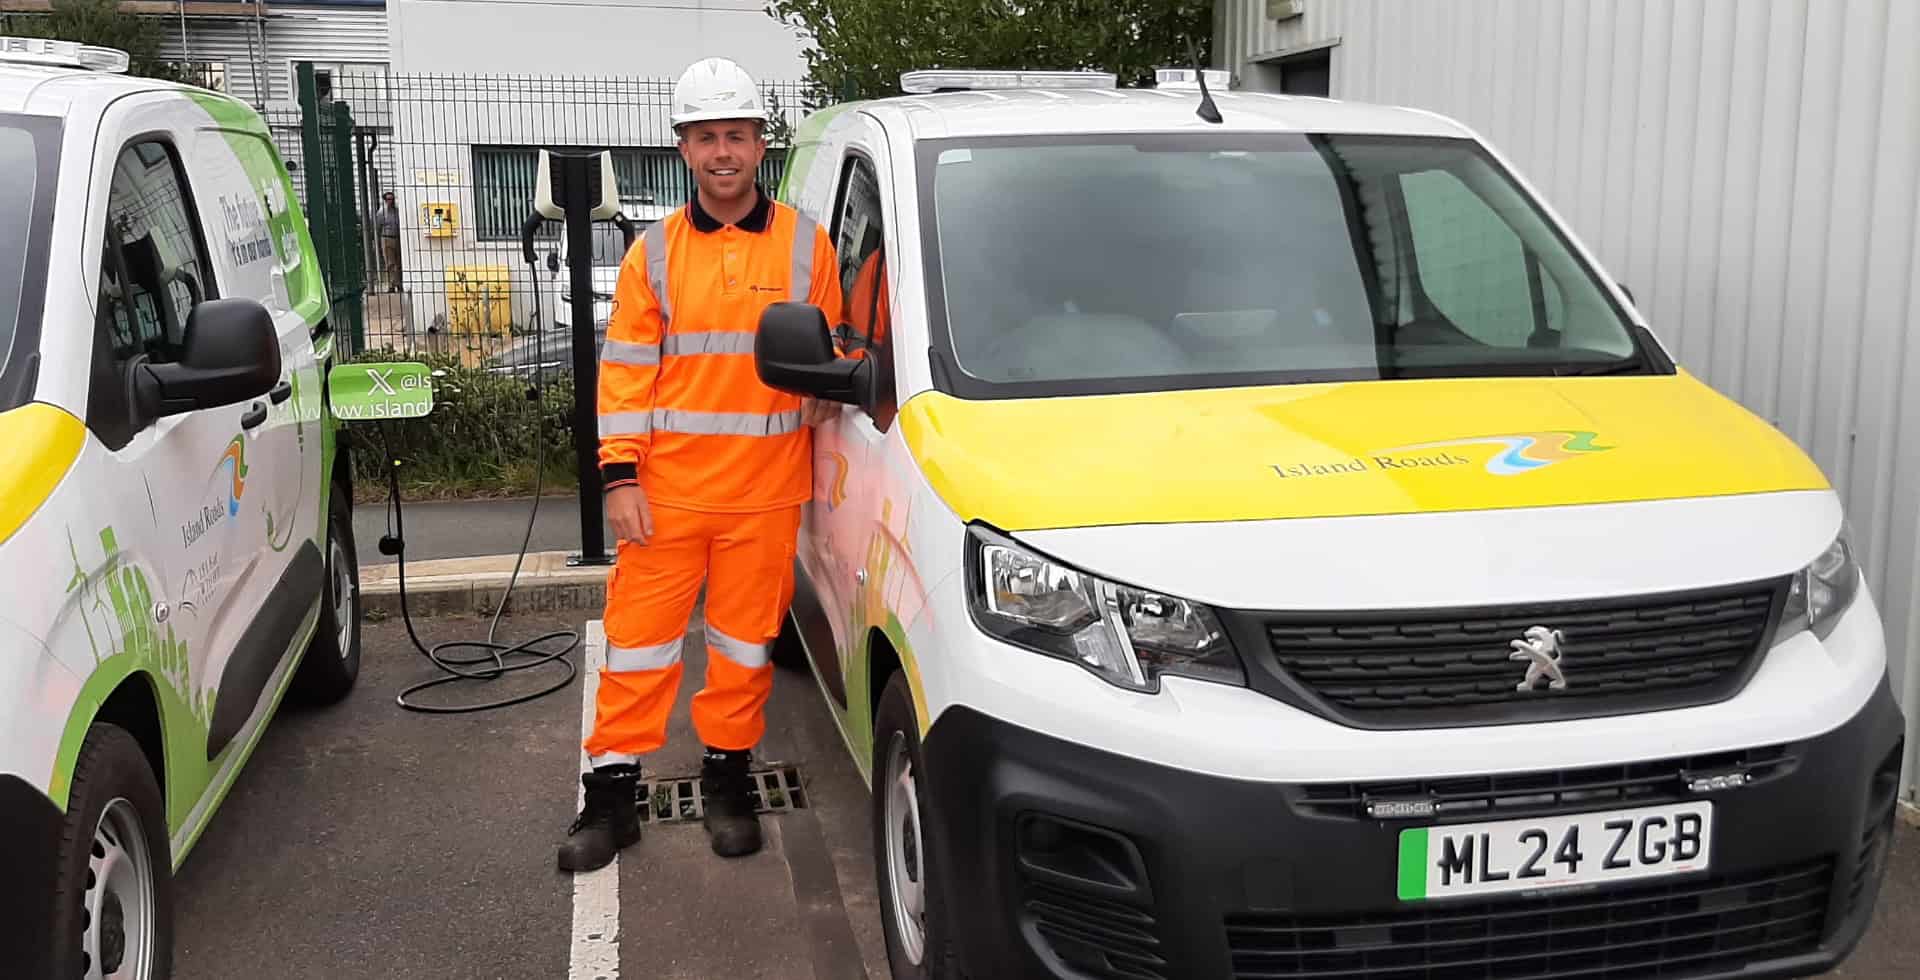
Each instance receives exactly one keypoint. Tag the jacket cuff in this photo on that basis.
(618, 474)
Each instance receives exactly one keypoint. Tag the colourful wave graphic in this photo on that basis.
(1524, 452)
(236, 457)
(839, 494)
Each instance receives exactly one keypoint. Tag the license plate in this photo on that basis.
(1554, 852)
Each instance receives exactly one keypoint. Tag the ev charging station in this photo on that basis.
(579, 188)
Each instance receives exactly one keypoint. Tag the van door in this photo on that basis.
(851, 531)
(211, 479)
(247, 222)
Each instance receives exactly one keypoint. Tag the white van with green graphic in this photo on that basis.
(176, 548)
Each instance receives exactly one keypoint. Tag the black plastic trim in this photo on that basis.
(29, 864)
(1211, 848)
(264, 645)
(816, 635)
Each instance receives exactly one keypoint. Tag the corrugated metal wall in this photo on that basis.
(292, 32)
(260, 56)
(1750, 170)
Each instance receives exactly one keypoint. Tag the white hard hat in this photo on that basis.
(716, 88)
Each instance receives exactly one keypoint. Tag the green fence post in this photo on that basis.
(350, 267)
(313, 161)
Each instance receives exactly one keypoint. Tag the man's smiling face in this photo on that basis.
(724, 155)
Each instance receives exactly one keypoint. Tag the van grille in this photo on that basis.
(1665, 930)
(1424, 667)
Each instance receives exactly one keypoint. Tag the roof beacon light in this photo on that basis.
(62, 54)
(935, 80)
(1188, 79)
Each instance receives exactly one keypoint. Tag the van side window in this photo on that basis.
(153, 272)
(857, 240)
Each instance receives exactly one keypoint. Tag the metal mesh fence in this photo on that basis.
(445, 271)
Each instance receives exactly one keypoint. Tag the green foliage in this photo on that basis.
(779, 130)
(860, 47)
(481, 439)
(101, 23)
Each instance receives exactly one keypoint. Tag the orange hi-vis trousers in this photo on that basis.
(746, 562)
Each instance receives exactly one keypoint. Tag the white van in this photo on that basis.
(1275, 548)
(176, 546)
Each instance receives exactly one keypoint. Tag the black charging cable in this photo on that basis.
(496, 654)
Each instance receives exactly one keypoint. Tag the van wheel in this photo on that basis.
(113, 898)
(912, 908)
(331, 664)
(788, 653)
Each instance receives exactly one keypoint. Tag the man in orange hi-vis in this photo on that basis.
(705, 468)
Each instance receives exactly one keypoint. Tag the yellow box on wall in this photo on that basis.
(479, 300)
(439, 219)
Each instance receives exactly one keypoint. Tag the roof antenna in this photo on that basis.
(1207, 110)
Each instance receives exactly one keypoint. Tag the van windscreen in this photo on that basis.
(1079, 264)
(28, 145)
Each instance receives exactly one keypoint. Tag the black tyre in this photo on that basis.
(788, 653)
(912, 900)
(113, 897)
(331, 664)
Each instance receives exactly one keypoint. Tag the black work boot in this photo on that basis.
(609, 821)
(730, 819)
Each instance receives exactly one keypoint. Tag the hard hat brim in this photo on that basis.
(709, 115)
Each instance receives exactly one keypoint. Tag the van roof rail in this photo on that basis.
(970, 80)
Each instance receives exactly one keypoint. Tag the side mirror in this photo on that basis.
(793, 351)
(232, 353)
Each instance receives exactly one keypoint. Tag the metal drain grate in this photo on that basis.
(775, 790)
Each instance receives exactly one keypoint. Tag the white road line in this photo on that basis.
(596, 894)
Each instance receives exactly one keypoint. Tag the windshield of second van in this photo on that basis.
(26, 154)
(1127, 263)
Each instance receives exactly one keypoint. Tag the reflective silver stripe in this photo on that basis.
(622, 352)
(803, 232)
(709, 342)
(723, 423)
(643, 658)
(613, 759)
(655, 238)
(625, 424)
(752, 656)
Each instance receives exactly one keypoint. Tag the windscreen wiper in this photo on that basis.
(1632, 365)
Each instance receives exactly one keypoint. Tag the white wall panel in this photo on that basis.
(1750, 169)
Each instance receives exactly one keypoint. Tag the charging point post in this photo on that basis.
(579, 187)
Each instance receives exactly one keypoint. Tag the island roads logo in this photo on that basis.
(235, 460)
(1516, 453)
(1524, 451)
(225, 491)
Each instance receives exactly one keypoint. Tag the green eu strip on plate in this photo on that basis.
(371, 392)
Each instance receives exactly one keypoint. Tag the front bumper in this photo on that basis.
(1058, 860)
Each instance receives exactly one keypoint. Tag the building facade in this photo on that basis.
(1751, 171)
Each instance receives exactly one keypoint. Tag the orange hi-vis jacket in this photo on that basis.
(682, 410)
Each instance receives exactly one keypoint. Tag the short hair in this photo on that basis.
(759, 127)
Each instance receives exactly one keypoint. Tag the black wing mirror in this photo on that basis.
(793, 351)
(232, 353)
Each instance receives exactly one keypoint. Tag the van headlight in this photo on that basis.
(1129, 637)
(1821, 592)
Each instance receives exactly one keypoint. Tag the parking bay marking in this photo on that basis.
(595, 953)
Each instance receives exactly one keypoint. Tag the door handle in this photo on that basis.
(255, 415)
(281, 392)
